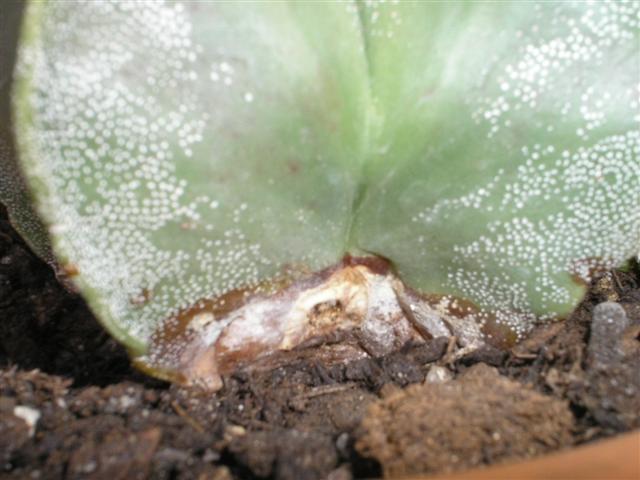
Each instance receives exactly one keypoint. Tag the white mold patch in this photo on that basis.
(353, 305)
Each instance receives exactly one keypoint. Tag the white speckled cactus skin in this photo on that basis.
(177, 151)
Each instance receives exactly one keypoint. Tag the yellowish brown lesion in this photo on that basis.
(345, 312)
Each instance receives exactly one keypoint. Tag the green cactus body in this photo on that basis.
(180, 152)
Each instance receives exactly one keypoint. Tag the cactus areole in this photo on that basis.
(229, 182)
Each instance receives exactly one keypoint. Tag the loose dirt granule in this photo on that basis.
(479, 418)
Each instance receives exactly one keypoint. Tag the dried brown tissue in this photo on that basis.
(334, 329)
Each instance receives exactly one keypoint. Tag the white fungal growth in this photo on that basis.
(348, 313)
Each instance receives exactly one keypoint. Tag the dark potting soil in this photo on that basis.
(72, 407)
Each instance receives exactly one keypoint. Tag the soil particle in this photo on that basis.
(118, 454)
(286, 454)
(485, 354)
(14, 433)
(453, 425)
(29, 415)
(611, 388)
(608, 325)
(438, 374)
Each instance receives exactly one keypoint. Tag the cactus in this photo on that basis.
(181, 153)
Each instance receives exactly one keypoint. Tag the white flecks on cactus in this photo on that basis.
(537, 128)
(182, 151)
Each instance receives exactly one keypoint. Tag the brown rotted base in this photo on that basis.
(85, 413)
